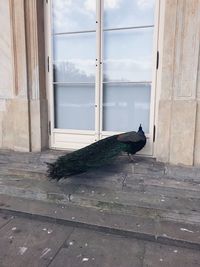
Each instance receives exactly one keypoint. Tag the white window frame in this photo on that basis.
(79, 138)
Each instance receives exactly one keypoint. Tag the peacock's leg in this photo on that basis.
(131, 158)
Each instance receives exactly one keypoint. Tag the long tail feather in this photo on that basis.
(94, 155)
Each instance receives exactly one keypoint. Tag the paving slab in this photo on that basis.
(94, 249)
(4, 219)
(168, 256)
(27, 242)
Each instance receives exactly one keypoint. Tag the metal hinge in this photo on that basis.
(48, 63)
(49, 128)
(154, 133)
(157, 60)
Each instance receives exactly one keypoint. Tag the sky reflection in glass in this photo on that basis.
(74, 57)
(128, 13)
(73, 15)
(128, 55)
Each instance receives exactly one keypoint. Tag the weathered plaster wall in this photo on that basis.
(197, 136)
(178, 110)
(36, 74)
(6, 67)
(13, 104)
(23, 104)
(6, 74)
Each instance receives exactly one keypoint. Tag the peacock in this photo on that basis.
(97, 154)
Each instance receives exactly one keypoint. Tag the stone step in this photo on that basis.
(146, 198)
(141, 165)
(34, 165)
(160, 231)
(151, 205)
(23, 171)
(165, 186)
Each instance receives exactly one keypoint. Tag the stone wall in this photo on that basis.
(23, 104)
(178, 118)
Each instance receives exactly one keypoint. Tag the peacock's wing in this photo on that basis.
(103, 151)
(134, 141)
(96, 153)
(133, 137)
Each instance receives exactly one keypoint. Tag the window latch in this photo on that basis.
(48, 64)
(157, 60)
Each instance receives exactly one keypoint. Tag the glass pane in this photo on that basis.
(128, 55)
(125, 106)
(129, 13)
(74, 57)
(74, 106)
(76, 15)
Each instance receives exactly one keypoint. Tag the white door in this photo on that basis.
(101, 69)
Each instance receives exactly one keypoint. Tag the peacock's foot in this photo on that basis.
(131, 158)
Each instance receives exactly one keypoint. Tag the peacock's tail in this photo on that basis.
(92, 156)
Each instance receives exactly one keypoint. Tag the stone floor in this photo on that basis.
(145, 201)
(28, 242)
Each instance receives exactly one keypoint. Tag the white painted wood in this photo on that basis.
(150, 146)
(48, 65)
(64, 140)
(98, 73)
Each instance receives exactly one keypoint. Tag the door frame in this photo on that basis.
(80, 138)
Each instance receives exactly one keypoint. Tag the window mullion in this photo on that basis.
(98, 71)
(101, 66)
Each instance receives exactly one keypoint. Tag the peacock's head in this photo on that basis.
(140, 129)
